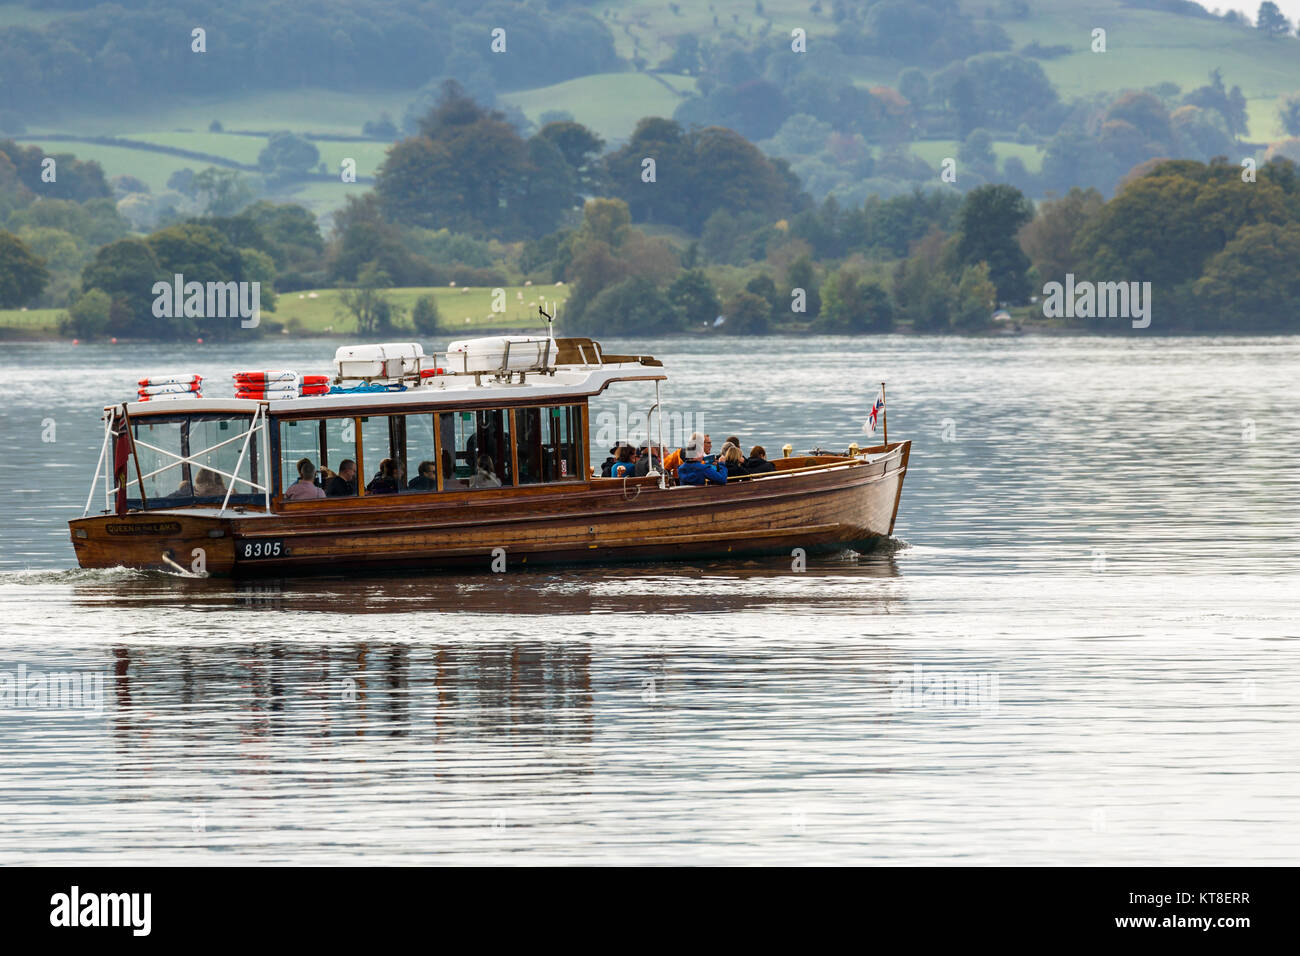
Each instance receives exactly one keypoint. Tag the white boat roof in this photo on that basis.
(565, 382)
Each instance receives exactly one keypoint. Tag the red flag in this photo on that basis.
(121, 454)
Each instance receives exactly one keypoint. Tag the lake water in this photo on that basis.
(1082, 647)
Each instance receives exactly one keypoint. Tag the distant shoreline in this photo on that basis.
(10, 335)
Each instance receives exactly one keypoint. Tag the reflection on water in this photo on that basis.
(1087, 650)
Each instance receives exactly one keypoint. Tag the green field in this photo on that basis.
(934, 151)
(304, 110)
(461, 310)
(468, 309)
(1146, 47)
(151, 168)
(608, 103)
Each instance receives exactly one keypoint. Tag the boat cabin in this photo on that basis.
(473, 419)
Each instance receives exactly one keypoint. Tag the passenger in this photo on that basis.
(735, 441)
(426, 480)
(731, 461)
(344, 482)
(624, 466)
(708, 449)
(607, 466)
(385, 480)
(208, 484)
(649, 458)
(757, 463)
(678, 455)
(304, 489)
(485, 476)
(695, 471)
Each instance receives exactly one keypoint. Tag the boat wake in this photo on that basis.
(80, 576)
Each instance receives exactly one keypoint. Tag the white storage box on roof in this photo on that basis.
(389, 360)
(500, 353)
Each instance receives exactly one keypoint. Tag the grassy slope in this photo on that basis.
(1145, 47)
(460, 310)
(608, 103)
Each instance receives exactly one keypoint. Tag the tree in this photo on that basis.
(763, 287)
(367, 304)
(694, 296)
(1289, 113)
(581, 149)
(989, 219)
(1164, 226)
(976, 298)
(1254, 282)
(747, 314)
(1270, 20)
(287, 155)
(850, 305)
(668, 198)
(89, 316)
(425, 317)
(222, 191)
(22, 275)
(631, 306)
(200, 253)
(127, 270)
(1049, 240)
(468, 170)
(977, 151)
(801, 275)
(912, 83)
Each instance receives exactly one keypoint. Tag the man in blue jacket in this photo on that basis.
(694, 471)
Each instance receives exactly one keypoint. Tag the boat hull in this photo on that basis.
(832, 505)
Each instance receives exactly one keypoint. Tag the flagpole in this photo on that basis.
(884, 413)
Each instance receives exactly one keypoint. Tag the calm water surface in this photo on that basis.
(1082, 647)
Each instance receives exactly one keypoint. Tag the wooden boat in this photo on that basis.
(522, 404)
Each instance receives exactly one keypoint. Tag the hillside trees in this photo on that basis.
(469, 170)
(22, 275)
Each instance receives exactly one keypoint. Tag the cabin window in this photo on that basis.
(546, 443)
(381, 447)
(327, 443)
(192, 459)
(479, 449)
(418, 449)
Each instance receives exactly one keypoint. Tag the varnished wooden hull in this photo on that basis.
(832, 505)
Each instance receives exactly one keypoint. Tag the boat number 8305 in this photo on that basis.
(262, 549)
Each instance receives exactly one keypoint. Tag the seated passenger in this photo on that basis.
(208, 484)
(694, 470)
(426, 480)
(385, 480)
(344, 482)
(304, 489)
(649, 458)
(678, 455)
(485, 476)
(624, 466)
(607, 466)
(731, 461)
(757, 463)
